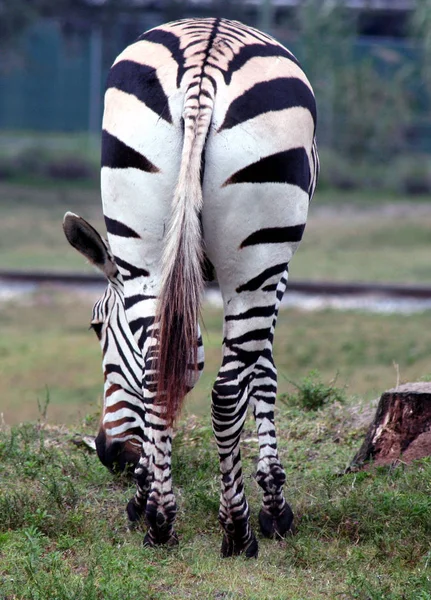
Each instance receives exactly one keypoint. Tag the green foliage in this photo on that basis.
(350, 89)
(411, 175)
(406, 175)
(364, 92)
(421, 29)
(312, 393)
(40, 163)
(14, 18)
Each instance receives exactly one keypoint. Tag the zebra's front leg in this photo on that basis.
(275, 516)
(228, 414)
(154, 500)
(161, 507)
(143, 477)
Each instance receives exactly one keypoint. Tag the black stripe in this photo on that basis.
(118, 228)
(122, 419)
(118, 155)
(137, 356)
(277, 94)
(233, 37)
(253, 50)
(199, 26)
(125, 365)
(199, 40)
(257, 311)
(227, 27)
(257, 282)
(290, 166)
(250, 336)
(132, 300)
(134, 271)
(143, 322)
(140, 81)
(172, 43)
(275, 235)
(255, 33)
(132, 407)
(129, 375)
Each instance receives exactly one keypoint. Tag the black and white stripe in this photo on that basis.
(208, 142)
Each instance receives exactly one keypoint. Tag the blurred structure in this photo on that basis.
(367, 60)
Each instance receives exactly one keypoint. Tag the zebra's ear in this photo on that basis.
(82, 236)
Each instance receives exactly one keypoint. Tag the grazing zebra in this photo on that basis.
(208, 163)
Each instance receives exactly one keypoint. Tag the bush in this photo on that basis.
(336, 171)
(7, 168)
(40, 162)
(312, 393)
(411, 175)
(71, 168)
(405, 174)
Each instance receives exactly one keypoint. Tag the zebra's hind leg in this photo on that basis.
(230, 398)
(234, 514)
(276, 516)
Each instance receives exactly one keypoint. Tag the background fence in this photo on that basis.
(369, 68)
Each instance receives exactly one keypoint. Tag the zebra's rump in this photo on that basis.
(241, 74)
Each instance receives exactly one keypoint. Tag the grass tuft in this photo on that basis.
(312, 393)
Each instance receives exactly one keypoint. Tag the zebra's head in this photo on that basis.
(120, 436)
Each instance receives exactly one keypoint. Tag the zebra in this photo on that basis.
(209, 162)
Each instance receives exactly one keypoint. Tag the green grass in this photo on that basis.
(63, 530)
(389, 244)
(46, 348)
(367, 238)
(31, 234)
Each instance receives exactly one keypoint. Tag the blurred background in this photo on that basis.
(370, 221)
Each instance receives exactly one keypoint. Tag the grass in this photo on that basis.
(31, 235)
(46, 348)
(63, 532)
(311, 393)
(365, 244)
(377, 238)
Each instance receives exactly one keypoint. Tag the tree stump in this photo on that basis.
(401, 429)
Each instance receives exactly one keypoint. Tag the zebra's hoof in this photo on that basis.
(230, 548)
(151, 540)
(276, 526)
(134, 512)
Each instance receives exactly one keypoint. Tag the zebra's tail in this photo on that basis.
(182, 280)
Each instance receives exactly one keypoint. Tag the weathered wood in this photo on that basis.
(401, 429)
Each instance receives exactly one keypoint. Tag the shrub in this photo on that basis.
(32, 161)
(40, 162)
(336, 171)
(71, 168)
(411, 175)
(312, 393)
